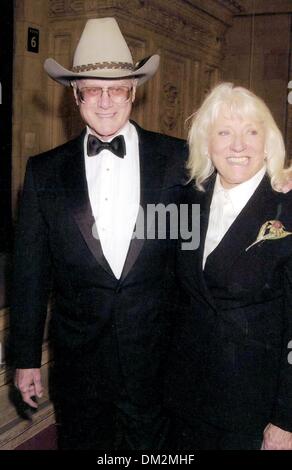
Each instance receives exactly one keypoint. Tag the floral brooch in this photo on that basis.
(270, 230)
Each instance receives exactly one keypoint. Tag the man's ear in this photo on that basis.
(73, 85)
(134, 90)
(76, 97)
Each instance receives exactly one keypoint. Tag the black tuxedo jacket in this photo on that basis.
(230, 365)
(108, 334)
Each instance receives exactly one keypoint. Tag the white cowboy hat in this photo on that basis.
(102, 52)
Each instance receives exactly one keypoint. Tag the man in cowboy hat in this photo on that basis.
(111, 311)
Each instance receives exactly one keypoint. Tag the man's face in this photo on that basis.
(105, 114)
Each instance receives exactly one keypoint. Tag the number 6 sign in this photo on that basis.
(33, 40)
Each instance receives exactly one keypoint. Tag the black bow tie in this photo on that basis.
(117, 146)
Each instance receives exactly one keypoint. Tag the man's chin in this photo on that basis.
(104, 133)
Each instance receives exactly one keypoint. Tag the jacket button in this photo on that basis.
(118, 289)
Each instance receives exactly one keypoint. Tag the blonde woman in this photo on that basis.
(231, 375)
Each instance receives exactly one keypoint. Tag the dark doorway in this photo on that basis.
(6, 63)
(6, 59)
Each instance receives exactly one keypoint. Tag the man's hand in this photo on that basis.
(276, 438)
(284, 181)
(29, 383)
(287, 186)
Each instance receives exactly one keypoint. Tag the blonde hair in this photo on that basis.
(240, 102)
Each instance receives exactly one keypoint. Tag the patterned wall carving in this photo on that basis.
(174, 78)
(233, 5)
(167, 21)
(189, 41)
(211, 76)
(79, 7)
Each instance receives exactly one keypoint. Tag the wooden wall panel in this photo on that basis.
(185, 36)
(138, 49)
(258, 52)
(174, 80)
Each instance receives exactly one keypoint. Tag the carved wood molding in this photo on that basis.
(233, 5)
(170, 98)
(79, 7)
(176, 19)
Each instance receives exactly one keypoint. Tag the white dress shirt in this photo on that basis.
(114, 193)
(225, 207)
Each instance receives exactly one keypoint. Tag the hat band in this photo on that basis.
(103, 65)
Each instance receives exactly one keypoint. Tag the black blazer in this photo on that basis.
(108, 334)
(230, 361)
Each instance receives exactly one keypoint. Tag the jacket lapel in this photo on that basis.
(196, 257)
(152, 171)
(152, 175)
(244, 229)
(74, 180)
(240, 235)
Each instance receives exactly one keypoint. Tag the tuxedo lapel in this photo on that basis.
(73, 174)
(74, 180)
(152, 171)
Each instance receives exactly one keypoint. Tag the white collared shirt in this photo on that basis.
(114, 193)
(225, 207)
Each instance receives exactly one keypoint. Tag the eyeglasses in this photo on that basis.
(118, 94)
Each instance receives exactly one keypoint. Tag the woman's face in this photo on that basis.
(236, 148)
